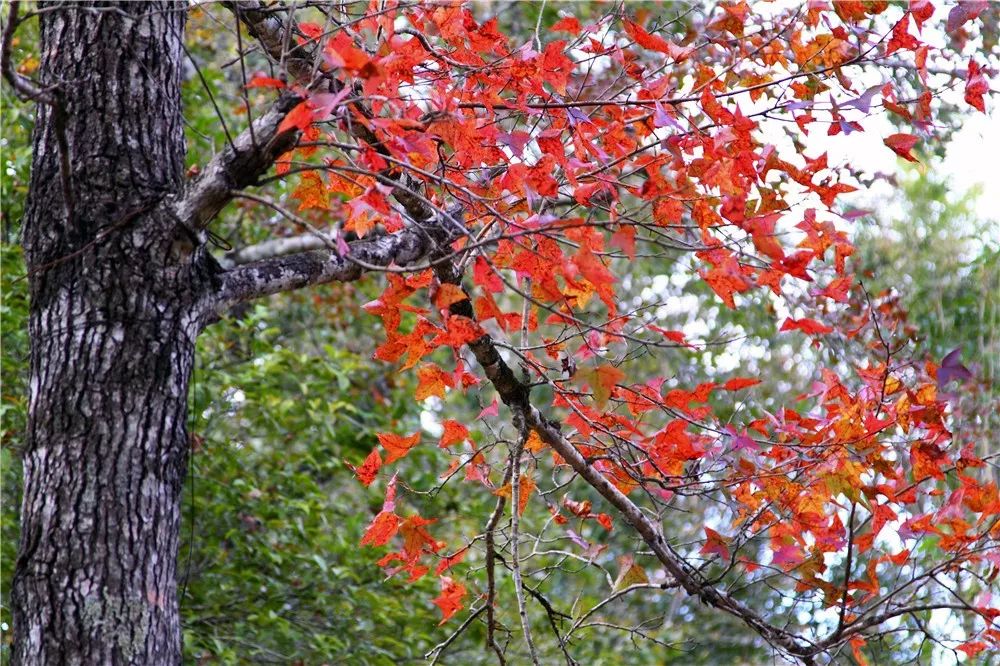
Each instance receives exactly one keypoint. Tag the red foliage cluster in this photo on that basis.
(573, 159)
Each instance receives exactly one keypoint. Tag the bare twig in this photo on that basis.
(515, 511)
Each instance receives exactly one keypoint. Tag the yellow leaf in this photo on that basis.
(311, 192)
(629, 574)
(525, 487)
(534, 443)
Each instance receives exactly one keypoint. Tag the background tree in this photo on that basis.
(542, 170)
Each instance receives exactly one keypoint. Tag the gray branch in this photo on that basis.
(240, 165)
(303, 269)
(275, 247)
(257, 147)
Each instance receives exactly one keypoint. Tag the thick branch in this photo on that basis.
(251, 154)
(303, 269)
(276, 247)
(274, 36)
(254, 151)
(512, 392)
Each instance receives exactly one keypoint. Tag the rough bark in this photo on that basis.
(112, 281)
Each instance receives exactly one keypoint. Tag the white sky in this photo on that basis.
(972, 158)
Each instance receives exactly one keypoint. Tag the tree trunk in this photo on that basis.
(112, 342)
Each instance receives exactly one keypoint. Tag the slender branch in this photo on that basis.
(491, 589)
(275, 247)
(25, 88)
(847, 568)
(553, 616)
(440, 648)
(324, 238)
(515, 511)
(614, 595)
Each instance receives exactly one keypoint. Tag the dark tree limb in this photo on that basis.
(25, 88)
(515, 394)
(303, 269)
(28, 90)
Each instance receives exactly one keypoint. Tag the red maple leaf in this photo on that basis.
(902, 144)
(383, 528)
(368, 470)
(450, 599)
(397, 446)
(807, 326)
(976, 86)
(454, 433)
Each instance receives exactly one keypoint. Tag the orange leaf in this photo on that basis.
(311, 192)
(298, 118)
(715, 544)
(451, 561)
(629, 573)
(461, 331)
(415, 537)
(526, 486)
(450, 599)
(341, 52)
(261, 81)
(737, 383)
(383, 528)
(448, 294)
(397, 446)
(432, 381)
(972, 648)
(900, 558)
(454, 433)
(725, 283)
(534, 443)
(311, 30)
(654, 42)
(838, 288)
(369, 468)
(603, 381)
(856, 644)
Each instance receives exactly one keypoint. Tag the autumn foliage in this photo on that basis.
(551, 169)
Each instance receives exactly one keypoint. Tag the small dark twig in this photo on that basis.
(25, 88)
(28, 90)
